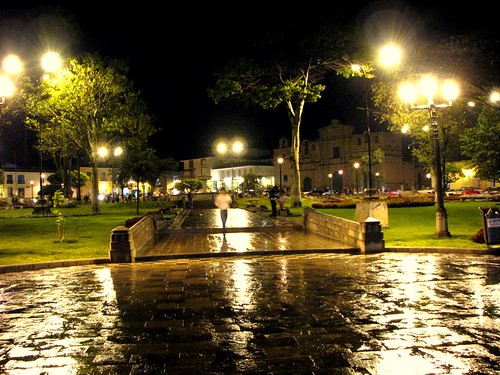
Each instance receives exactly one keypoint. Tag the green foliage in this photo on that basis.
(481, 145)
(87, 104)
(188, 185)
(60, 221)
(58, 198)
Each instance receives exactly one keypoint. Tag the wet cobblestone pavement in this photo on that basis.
(387, 313)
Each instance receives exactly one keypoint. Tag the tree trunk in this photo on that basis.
(295, 156)
(95, 189)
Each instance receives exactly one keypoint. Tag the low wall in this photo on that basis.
(126, 243)
(367, 235)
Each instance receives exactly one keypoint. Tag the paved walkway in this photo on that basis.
(198, 232)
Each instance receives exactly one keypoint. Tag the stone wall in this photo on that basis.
(126, 243)
(367, 235)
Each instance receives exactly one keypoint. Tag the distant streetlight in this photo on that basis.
(280, 162)
(330, 176)
(356, 167)
(13, 66)
(388, 56)
(233, 149)
(428, 90)
(103, 153)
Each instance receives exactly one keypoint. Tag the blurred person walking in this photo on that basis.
(223, 201)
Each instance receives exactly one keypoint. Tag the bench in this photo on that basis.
(41, 210)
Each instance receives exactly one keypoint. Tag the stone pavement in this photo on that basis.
(199, 233)
(252, 313)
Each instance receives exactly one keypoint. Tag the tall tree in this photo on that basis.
(88, 104)
(481, 145)
(287, 69)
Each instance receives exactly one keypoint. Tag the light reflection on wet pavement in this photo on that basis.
(389, 313)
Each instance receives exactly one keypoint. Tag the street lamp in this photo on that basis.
(330, 176)
(280, 161)
(356, 167)
(340, 172)
(103, 154)
(31, 184)
(233, 148)
(389, 56)
(13, 65)
(428, 88)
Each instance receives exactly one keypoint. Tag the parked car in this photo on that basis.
(492, 190)
(470, 190)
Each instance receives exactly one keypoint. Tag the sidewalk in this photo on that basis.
(199, 233)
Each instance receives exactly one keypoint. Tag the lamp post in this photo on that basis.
(428, 87)
(388, 56)
(280, 162)
(330, 176)
(103, 154)
(340, 173)
(233, 148)
(31, 184)
(356, 167)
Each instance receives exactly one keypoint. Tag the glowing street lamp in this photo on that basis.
(388, 56)
(356, 167)
(330, 176)
(427, 89)
(233, 148)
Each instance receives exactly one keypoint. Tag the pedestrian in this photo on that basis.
(223, 201)
(281, 200)
(190, 199)
(273, 196)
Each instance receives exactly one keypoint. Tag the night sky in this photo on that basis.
(173, 53)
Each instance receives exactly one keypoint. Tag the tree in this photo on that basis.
(287, 70)
(142, 166)
(88, 104)
(481, 145)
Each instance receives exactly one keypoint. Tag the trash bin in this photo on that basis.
(491, 225)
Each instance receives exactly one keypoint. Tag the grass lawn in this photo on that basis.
(29, 239)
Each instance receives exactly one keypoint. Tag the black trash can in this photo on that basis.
(491, 225)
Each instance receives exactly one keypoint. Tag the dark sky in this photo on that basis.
(173, 50)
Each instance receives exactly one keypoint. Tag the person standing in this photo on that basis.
(190, 199)
(273, 196)
(281, 200)
(223, 201)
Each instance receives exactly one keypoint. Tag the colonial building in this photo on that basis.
(330, 161)
(216, 172)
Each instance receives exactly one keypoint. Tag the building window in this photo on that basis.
(376, 138)
(10, 179)
(358, 141)
(191, 164)
(103, 176)
(336, 152)
(21, 192)
(203, 162)
(20, 179)
(10, 190)
(285, 178)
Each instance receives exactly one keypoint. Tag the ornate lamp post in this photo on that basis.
(428, 88)
(356, 167)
